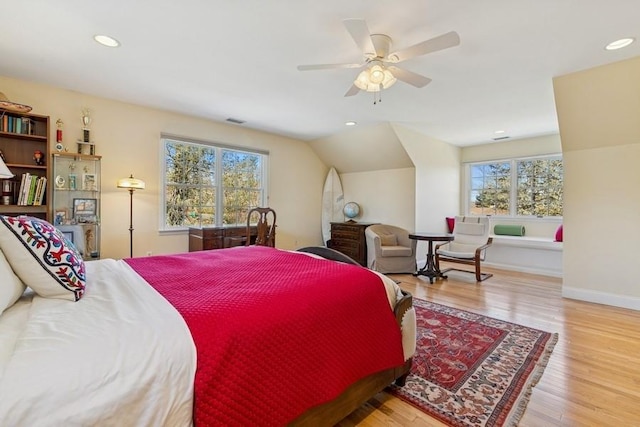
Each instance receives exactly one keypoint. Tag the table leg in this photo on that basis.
(429, 270)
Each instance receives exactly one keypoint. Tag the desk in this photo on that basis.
(429, 268)
(205, 238)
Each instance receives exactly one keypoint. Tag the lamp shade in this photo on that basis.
(374, 79)
(131, 183)
(4, 170)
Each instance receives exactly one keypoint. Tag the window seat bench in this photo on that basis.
(529, 254)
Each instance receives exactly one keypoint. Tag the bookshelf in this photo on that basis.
(23, 135)
(75, 199)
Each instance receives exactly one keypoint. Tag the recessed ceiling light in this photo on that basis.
(499, 132)
(106, 40)
(619, 44)
(351, 123)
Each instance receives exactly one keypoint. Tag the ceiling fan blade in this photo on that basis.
(327, 66)
(353, 90)
(410, 77)
(435, 44)
(361, 35)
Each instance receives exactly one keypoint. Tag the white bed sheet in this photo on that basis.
(121, 356)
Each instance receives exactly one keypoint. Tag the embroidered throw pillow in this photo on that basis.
(42, 257)
(11, 287)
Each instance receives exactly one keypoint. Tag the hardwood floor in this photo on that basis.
(593, 375)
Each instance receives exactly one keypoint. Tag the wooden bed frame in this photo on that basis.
(359, 392)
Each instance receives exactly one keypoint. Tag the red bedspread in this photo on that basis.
(276, 332)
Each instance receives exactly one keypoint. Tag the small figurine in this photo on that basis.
(88, 241)
(38, 157)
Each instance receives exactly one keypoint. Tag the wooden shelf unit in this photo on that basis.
(18, 150)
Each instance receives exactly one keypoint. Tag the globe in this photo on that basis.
(351, 210)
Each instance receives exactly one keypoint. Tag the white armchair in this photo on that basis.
(389, 249)
(470, 241)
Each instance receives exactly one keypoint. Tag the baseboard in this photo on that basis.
(522, 269)
(509, 267)
(622, 301)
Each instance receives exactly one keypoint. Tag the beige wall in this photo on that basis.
(598, 112)
(524, 147)
(385, 196)
(128, 138)
(437, 174)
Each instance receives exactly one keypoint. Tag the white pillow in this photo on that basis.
(11, 287)
(42, 257)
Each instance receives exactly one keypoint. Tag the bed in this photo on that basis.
(132, 346)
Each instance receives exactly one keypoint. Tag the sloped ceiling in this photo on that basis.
(220, 59)
(363, 149)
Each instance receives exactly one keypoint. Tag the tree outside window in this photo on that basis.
(517, 187)
(208, 185)
(490, 189)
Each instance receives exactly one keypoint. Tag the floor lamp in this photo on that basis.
(131, 184)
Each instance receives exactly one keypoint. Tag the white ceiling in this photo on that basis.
(221, 59)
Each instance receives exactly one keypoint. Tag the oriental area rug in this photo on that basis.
(472, 370)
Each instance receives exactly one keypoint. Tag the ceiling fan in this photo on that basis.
(381, 71)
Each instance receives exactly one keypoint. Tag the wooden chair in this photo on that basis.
(470, 241)
(266, 233)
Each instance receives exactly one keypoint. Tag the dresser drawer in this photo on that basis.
(348, 238)
(239, 231)
(345, 235)
(345, 243)
(345, 228)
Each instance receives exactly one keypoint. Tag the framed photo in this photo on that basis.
(85, 210)
(89, 182)
(60, 217)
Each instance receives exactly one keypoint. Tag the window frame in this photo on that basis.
(513, 191)
(219, 187)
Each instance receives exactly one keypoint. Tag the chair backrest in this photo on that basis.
(266, 233)
(471, 230)
(390, 235)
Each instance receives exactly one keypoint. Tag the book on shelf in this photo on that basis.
(22, 125)
(25, 177)
(40, 191)
(32, 190)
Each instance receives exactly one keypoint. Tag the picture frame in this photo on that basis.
(89, 182)
(60, 217)
(85, 210)
(68, 235)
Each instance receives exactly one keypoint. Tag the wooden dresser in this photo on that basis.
(205, 238)
(348, 238)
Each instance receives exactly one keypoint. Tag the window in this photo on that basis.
(516, 187)
(209, 184)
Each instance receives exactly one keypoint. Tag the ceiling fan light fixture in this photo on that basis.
(374, 79)
(376, 74)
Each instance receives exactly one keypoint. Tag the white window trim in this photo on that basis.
(164, 137)
(514, 182)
